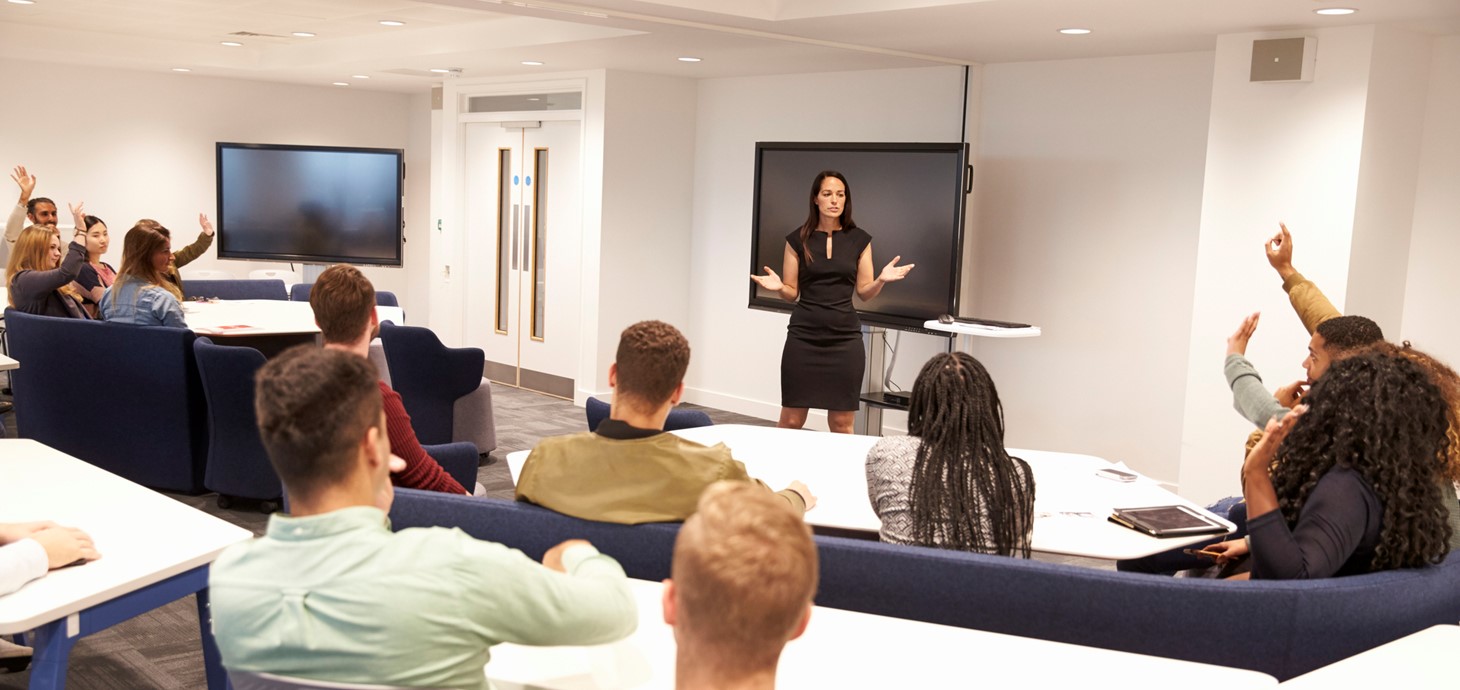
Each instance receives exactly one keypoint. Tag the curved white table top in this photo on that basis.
(143, 536)
(1071, 504)
(255, 317)
(846, 649)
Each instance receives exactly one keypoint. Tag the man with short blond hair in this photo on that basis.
(741, 585)
(628, 470)
(343, 301)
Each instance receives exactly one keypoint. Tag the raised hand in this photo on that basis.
(769, 281)
(892, 273)
(25, 181)
(1277, 429)
(1280, 252)
(206, 224)
(78, 214)
(1237, 342)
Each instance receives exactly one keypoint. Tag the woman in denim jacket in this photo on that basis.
(138, 296)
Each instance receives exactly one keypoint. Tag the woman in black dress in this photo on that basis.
(826, 260)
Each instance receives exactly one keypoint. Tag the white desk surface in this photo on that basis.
(1071, 504)
(7, 363)
(1422, 660)
(982, 331)
(845, 649)
(253, 317)
(143, 536)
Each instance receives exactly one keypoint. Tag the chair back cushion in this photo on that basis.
(299, 292)
(237, 463)
(127, 399)
(429, 377)
(235, 289)
(597, 411)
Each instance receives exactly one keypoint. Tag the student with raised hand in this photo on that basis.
(949, 483)
(39, 278)
(629, 470)
(29, 549)
(184, 256)
(741, 583)
(1347, 482)
(329, 593)
(96, 275)
(34, 210)
(140, 295)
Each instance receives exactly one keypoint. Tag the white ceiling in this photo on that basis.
(734, 37)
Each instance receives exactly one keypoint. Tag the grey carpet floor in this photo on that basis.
(160, 650)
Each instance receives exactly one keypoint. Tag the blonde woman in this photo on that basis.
(39, 278)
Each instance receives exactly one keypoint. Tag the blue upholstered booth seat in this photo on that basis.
(460, 460)
(237, 463)
(124, 398)
(597, 411)
(271, 288)
(1280, 628)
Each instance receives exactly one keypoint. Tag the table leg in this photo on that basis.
(212, 661)
(52, 651)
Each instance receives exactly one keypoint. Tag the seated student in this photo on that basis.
(184, 256)
(27, 551)
(1333, 339)
(96, 275)
(629, 471)
(949, 483)
(329, 593)
(140, 296)
(40, 279)
(740, 588)
(343, 301)
(1325, 485)
(34, 210)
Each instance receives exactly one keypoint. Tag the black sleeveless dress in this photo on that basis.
(823, 361)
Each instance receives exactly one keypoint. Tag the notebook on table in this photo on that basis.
(1167, 521)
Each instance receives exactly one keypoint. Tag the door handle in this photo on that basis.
(526, 237)
(516, 217)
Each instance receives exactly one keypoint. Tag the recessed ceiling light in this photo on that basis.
(534, 98)
(439, 70)
(22, 2)
(181, 69)
(232, 44)
(532, 63)
(360, 76)
(1334, 11)
(341, 83)
(689, 59)
(1074, 32)
(303, 34)
(391, 22)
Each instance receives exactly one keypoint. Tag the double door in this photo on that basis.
(524, 227)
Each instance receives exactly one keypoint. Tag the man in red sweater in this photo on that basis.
(344, 308)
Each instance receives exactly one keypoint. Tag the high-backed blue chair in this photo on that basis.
(238, 466)
(300, 293)
(127, 399)
(235, 289)
(597, 411)
(431, 378)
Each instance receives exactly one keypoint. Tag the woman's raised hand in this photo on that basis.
(892, 272)
(78, 213)
(206, 224)
(769, 281)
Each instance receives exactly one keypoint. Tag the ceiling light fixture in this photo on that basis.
(181, 69)
(689, 59)
(1335, 11)
(341, 83)
(232, 44)
(532, 63)
(1074, 32)
(303, 34)
(439, 70)
(360, 76)
(22, 2)
(391, 22)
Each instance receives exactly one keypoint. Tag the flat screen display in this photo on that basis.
(313, 204)
(908, 197)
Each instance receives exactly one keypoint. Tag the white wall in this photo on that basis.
(137, 144)
(737, 351)
(1089, 194)
(1433, 281)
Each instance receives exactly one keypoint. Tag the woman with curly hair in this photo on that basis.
(1350, 482)
(949, 483)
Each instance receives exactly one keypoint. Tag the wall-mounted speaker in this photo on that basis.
(1283, 59)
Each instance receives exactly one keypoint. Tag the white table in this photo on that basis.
(845, 649)
(1422, 660)
(8, 363)
(1071, 504)
(154, 550)
(260, 317)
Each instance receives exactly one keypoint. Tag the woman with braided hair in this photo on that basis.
(1350, 481)
(949, 483)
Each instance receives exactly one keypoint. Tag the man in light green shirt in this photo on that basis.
(331, 594)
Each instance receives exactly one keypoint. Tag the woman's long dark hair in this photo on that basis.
(813, 215)
(1382, 417)
(962, 470)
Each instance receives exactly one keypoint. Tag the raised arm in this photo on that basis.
(1312, 305)
(186, 255)
(16, 221)
(869, 287)
(786, 285)
(1249, 397)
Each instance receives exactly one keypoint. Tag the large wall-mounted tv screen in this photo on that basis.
(316, 204)
(909, 197)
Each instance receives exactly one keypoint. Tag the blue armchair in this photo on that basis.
(432, 379)
(235, 289)
(597, 411)
(127, 399)
(238, 466)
